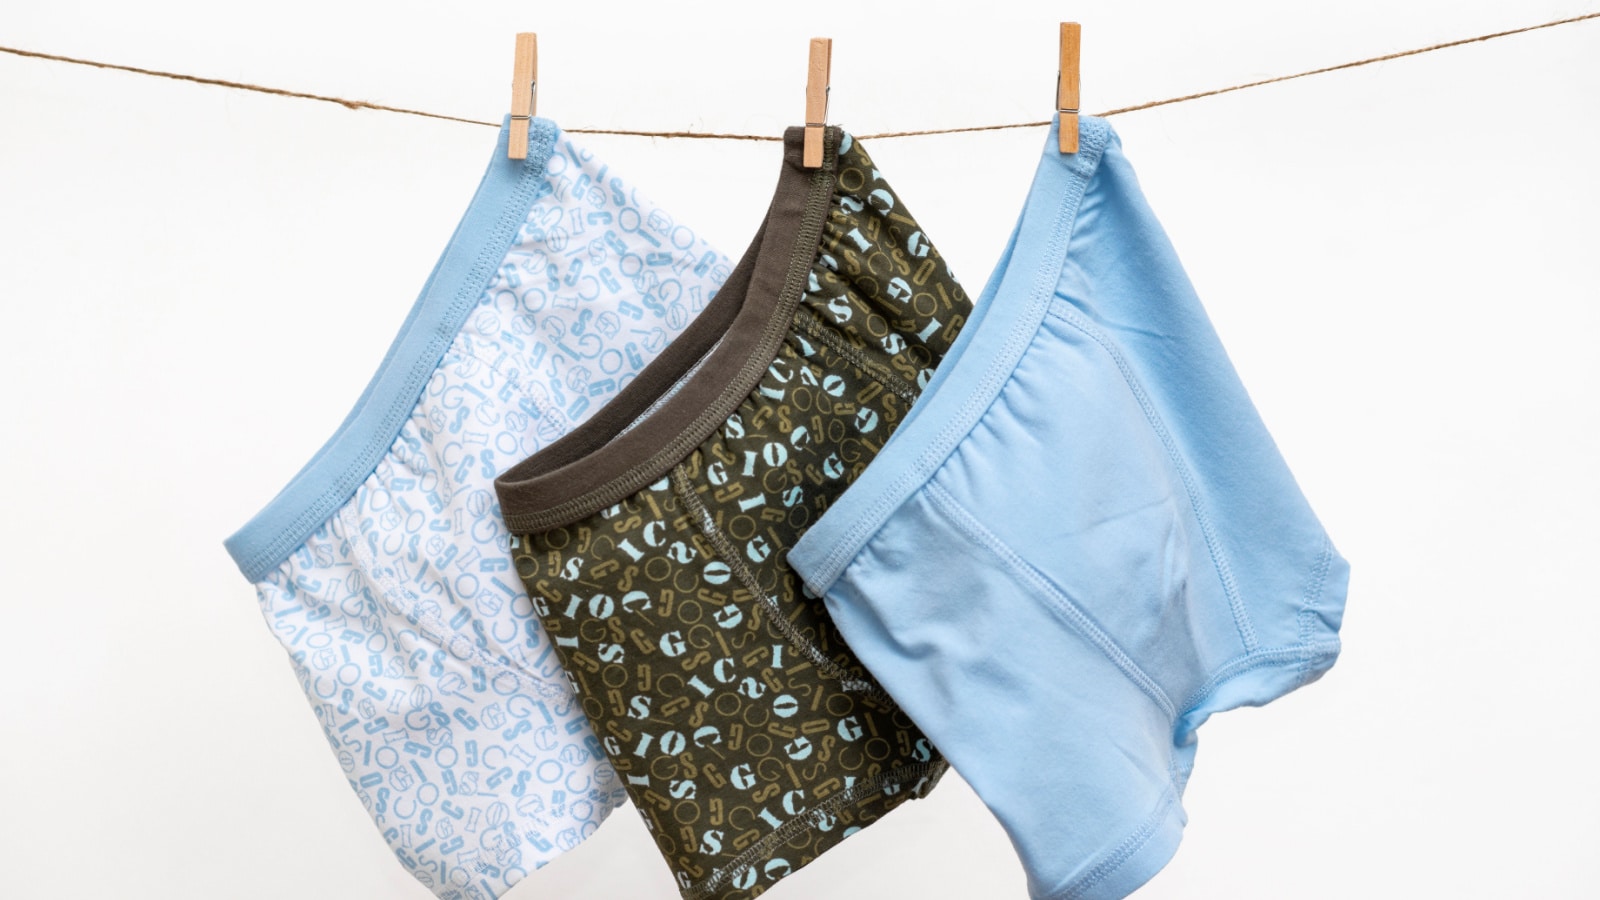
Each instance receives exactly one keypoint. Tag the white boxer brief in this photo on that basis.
(384, 569)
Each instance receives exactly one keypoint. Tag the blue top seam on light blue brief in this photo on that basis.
(504, 196)
(1078, 619)
(1219, 556)
(1094, 135)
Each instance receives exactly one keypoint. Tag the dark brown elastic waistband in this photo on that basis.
(698, 380)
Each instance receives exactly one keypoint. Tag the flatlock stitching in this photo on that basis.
(1308, 606)
(1075, 614)
(327, 505)
(730, 555)
(1131, 845)
(1307, 654)
(801, 257)
(1088, 159)
(808, 820)
(546, 688)
(1219, 558)
(814, 326)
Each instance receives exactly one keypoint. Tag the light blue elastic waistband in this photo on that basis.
(975, 369)
(504, 196)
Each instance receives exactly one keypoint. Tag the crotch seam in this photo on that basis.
(1075, 615)
(1219, 558)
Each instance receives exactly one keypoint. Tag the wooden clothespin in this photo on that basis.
(1067, 87)
(817, 100)
(524, 82)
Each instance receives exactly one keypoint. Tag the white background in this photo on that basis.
(1402, 259)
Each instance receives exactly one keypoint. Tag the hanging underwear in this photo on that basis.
(1083, 542)
(383, 567)
(652, 539)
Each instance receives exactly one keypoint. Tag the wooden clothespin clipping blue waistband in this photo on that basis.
(524, 82)
(1067, 87)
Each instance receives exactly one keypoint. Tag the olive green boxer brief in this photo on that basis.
(653, 538)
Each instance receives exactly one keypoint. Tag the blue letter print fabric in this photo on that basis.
(384, 568)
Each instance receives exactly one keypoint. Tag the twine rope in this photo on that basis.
(726, 136)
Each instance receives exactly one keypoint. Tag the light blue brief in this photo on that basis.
(1083, 542)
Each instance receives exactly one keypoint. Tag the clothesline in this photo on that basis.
(707, 135)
